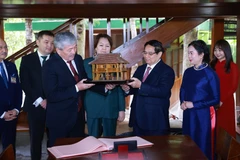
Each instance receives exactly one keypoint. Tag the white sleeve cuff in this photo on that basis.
(76, 88)
(38, 101)
(2, 115)
(16, 110)
(106, 90)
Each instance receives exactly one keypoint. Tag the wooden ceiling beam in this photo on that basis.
(119, 10)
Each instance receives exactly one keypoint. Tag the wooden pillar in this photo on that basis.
(238, 60)
(109, 26)
(1, 29)
(91, 38)
(217, 32)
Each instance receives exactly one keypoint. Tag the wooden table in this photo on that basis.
(172, 147)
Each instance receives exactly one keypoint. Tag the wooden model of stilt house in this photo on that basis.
(109, 67)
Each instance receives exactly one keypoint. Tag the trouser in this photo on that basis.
(8, 133)
(107, 125)
(36, 122)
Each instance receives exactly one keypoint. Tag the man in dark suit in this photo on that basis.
(152, 89)
(10, 98)
(35, 101)
(63, 77)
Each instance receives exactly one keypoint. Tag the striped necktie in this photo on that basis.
(146, 74)
(4, 75)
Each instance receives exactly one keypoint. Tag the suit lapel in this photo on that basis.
(36, 63)
(64, 67)
(77, 66)
(154, 71)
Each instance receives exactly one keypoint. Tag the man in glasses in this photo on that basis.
(151, 88)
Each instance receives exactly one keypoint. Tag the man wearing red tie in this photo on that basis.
(10, 98)
(63, 76)
(152, 89)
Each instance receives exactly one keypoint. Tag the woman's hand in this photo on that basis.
(125, 87)
(121, 116)
(186, 105)
(110, 86)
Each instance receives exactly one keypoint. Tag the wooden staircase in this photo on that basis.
(165, 32)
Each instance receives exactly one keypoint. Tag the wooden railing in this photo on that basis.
(30, 48)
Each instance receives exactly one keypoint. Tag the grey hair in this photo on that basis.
(63, 39)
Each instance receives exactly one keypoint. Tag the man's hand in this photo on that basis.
(10, 115)
(83, 86)
(44, 104)
(136, 83)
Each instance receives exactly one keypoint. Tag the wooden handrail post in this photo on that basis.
(91, 39)
(109, 26)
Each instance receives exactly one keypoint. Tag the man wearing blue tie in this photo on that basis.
(10, 98)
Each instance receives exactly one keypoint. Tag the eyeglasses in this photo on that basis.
(149, 53)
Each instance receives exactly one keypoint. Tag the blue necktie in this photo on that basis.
(3, 73)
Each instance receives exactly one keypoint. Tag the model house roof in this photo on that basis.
(110, 58)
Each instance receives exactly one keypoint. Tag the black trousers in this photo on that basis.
(8, 133)
(36, 121)
(63, 131)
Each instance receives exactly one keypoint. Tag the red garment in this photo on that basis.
(228, 85)
(213, 127)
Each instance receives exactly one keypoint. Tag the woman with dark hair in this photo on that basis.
(199, 91)
(228, 74)
(105, 106)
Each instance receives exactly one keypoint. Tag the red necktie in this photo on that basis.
(146, 74)
(75, 75)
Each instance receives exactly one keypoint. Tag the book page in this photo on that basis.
(88, 145)
(140, 141)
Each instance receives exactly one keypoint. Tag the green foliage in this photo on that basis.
(15, 40)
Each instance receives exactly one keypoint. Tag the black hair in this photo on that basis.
(202, 48)
(103, 35)
(225, 47)
(156, 44)
(44, 32)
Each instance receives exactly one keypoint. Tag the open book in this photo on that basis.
(91, 144)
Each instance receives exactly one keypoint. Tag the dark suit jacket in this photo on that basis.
(59, 88)
(10, 97)
(31, 80)
(150, 105)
